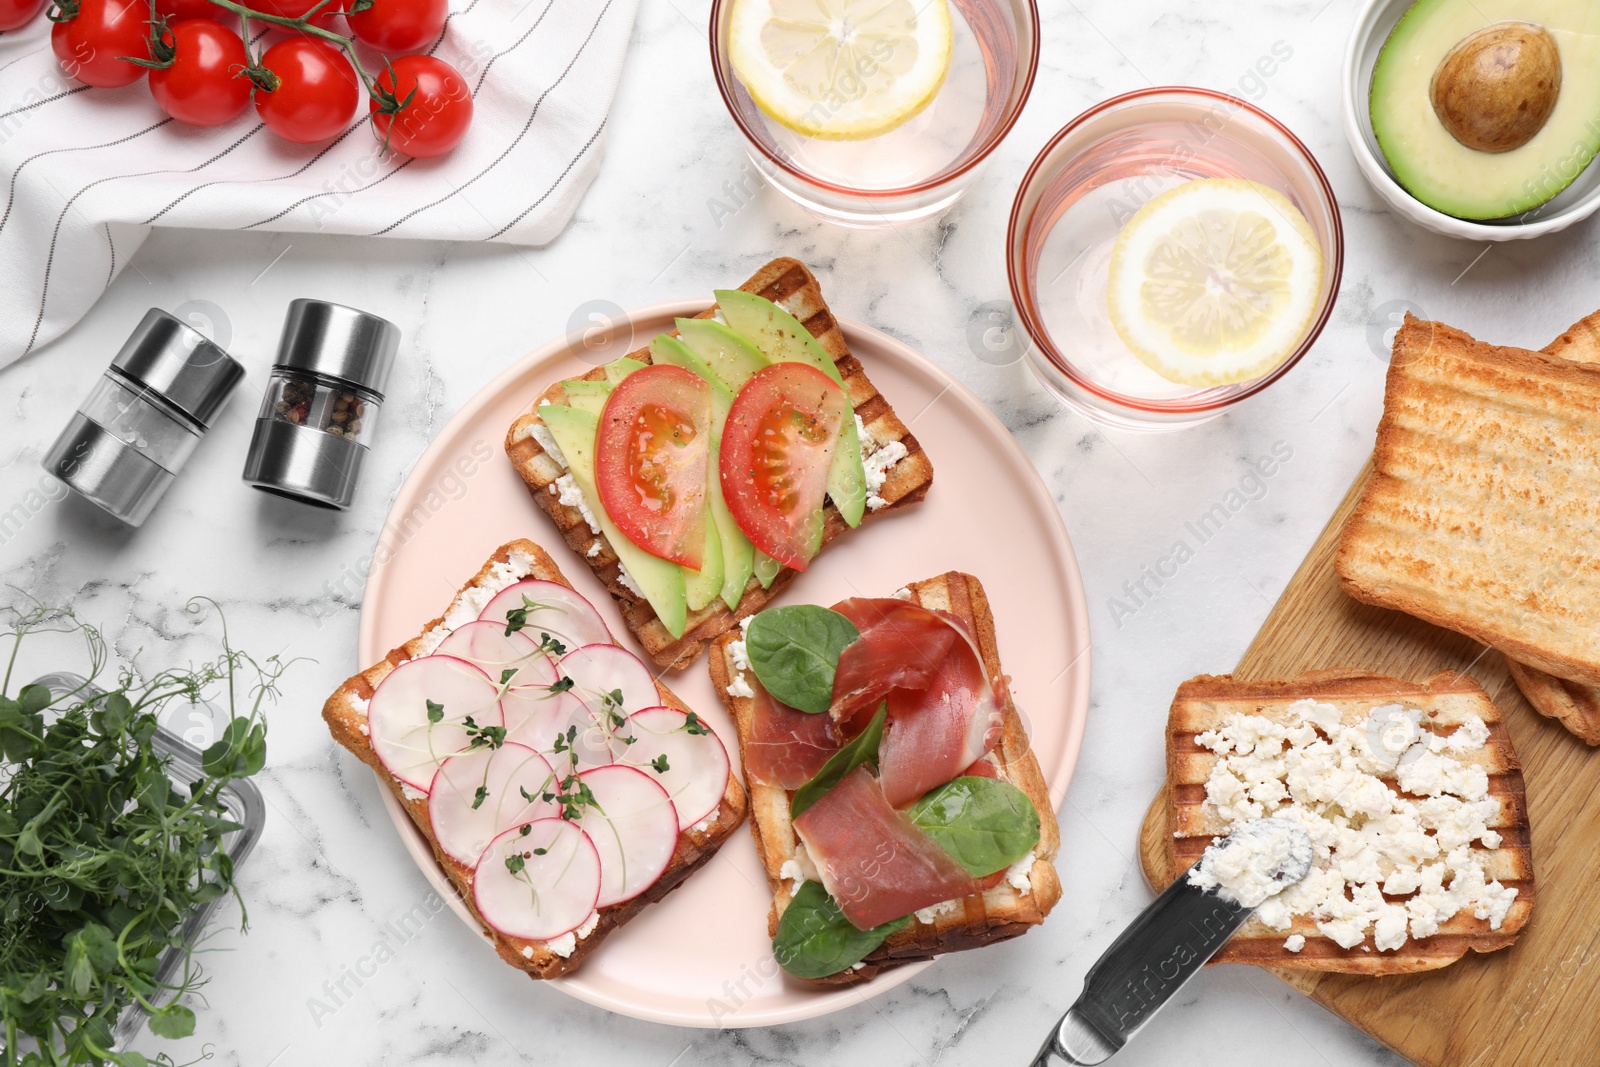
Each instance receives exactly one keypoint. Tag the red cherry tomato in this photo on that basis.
(178, 10)
(293, 9)
(439, 113)
(89, 43)
(776, 448)
(15, 14)
(400, 25)
(202, 87)
(317, 92)
(650, 459)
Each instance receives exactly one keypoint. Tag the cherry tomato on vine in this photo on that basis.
(202, 86)
(438, 113)
(89, 39)
(317, 92)
(177, 10)
(15, 14)
(399, 25)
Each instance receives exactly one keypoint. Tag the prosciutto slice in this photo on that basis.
(935, 733)
(874, 860)
(786, 747)
(901, 646)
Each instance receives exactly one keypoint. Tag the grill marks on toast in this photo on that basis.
(984, 918)
(694, 848)
(1486, 490)
(1446, 699)
(790, 283)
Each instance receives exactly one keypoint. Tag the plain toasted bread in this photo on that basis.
(982, 918)
(789, 284)
(1576, 705)
(1481, 511)
(1446, 699)
(345, 715)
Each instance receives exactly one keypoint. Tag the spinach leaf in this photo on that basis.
(815, 940)
(841, 763)
(986, 824)
(794, 651)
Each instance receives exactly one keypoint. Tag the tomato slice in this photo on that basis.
(651, 452)
(776, 448)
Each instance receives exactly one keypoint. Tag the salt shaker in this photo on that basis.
(321, 405)
(138, 426)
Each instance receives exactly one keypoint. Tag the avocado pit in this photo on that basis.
(1495, 90)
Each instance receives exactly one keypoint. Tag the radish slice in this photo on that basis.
(462, 824)
(535, 715)
(552, 608)
(553, 889)
(634, 828)
(598, 673)
(696, 765)
(598, 670)
(491, 649)
(409, 746)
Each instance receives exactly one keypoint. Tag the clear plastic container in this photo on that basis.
(141, 420)
(333, 407)
(245, 806)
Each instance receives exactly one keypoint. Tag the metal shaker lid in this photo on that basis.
(179, 363)
(339, 342)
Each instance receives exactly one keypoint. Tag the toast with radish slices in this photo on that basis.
(561, 787)
(888, 448)
(1008, 902)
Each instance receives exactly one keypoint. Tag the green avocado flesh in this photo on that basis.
(659, 579)
(1469, 183)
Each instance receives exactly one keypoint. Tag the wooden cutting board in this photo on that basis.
(1537, 1002)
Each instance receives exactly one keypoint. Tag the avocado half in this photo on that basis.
(1470, 183)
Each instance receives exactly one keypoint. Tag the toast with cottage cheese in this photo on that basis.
(345, 714)
(1007, 910)
(1575, 705)
(1220, 771)
(906, 475)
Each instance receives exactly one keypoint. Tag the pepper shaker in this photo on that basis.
(321, 404)
(138, 426)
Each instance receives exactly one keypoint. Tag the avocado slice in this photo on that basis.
(731, 356)
(619, 369)
(766, 569)
(737, 553)
(784, 339)
(1437, 167)
(703, 586)
(659, 579)
(588, 396)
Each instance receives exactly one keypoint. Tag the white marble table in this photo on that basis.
(330, 885)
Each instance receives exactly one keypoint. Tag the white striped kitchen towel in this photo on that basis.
(85, 173)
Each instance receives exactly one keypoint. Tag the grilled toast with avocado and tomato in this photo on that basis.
(659, 472)
(896, 805)
(561, 787)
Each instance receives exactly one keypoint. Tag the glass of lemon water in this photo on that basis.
(1171, 252)
(871, 113)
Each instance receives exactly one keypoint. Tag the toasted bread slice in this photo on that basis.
(1481, 511)
(789, 284)
(1576, 705)
(1573, 704)
(1446, 699)
(982, 918)
(345, 714)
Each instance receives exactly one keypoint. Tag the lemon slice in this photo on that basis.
(1215, 281)
(840, 69)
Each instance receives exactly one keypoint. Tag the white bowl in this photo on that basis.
(1373, 26)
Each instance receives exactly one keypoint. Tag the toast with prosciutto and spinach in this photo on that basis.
(896, 805)
(697, 475)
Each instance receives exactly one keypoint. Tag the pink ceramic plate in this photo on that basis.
(702, 956)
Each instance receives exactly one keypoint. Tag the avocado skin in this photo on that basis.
(1448, 176)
